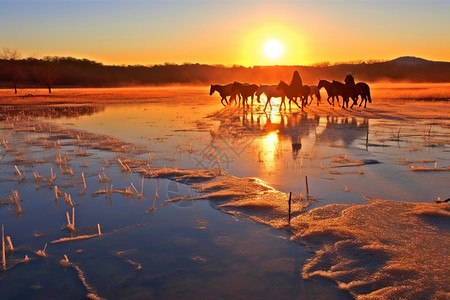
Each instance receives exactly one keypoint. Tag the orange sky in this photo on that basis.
(226, 32)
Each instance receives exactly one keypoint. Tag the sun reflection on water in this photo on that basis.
(269, 145)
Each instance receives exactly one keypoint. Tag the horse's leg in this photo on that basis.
(296, 102)
(221, 101)
(283, 99)
(328, 99)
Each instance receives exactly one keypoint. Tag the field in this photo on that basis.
(162, 192)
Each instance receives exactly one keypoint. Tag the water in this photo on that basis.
(190, 248)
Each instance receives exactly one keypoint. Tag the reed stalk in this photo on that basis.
(10, 244)
(3, 249)
(5, 143)
(134, 188)
(125, 167)
(18, 172)
(307, 188)
(42, 253)
(71, 224)
(84, 181)
(105, 178)
(65, 262)
(73, 217)
(289, 212)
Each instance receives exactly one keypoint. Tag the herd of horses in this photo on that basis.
(295, 91)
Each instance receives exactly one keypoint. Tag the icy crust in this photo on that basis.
(186, 175)
(249, 196)
(383, 249)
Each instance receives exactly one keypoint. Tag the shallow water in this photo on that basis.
(189, 248)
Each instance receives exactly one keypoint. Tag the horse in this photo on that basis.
(292, 92)
(365, 94)
(246, 90)
(314, 91)
(224, 91)
(346, 91)
(270, 91)
(330, 90)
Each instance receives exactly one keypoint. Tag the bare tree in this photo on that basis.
(46, 71)
(15, 67)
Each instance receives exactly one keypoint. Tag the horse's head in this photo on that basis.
(259, 91)
(321, 84)
(212, 90)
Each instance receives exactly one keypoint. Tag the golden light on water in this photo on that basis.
(269, 144)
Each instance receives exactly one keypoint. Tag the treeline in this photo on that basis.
(52, 72)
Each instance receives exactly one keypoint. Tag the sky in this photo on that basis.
(229, 32)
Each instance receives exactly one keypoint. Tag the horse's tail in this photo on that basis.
(368, 94)
(318, 94)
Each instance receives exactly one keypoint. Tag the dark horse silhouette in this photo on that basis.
(246, 90)
(314, 91)
(365, 94)
(330, 91)
(346, 91)
(224, 91)
(292, 92)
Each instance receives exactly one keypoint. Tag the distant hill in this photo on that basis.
(71, 72)
(410, 60)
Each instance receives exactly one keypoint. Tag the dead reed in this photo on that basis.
(140, 195)
(153, 208)
(10, 244)
(79, 237)
(71, 224)
(42, 253)
(21, 177)
(15, 199)
(84, 184)
(420, 168)
(3, 249)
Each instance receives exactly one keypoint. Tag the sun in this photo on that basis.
(273, 49)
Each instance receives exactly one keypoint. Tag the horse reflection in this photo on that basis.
(292, 127)
(344, 130)
(245, 127)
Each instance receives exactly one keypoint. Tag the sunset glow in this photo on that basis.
(226, 32)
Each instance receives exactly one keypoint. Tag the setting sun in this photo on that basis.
(273, 49)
